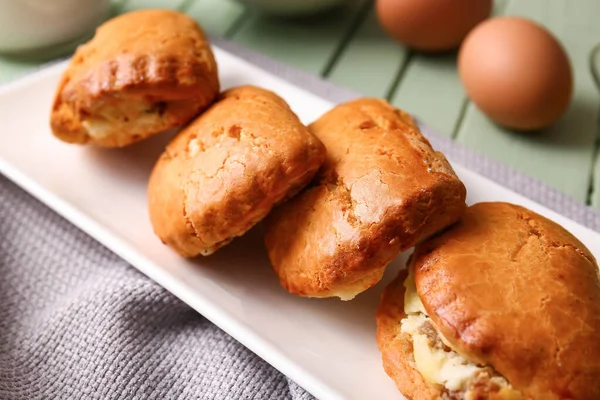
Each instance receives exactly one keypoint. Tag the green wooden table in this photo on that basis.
(352, 51)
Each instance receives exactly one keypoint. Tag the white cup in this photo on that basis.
(28, 26)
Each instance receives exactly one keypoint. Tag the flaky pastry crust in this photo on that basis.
(225, 171)
(514, 290)
(381, 190)
(142, 73)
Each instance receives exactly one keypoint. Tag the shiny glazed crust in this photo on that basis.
(381, 190)
(142, 73)
(514, 290)
(225, 171)
(397, 349)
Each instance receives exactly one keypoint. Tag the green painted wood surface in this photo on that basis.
(561, 155)
(217, 17)
(594, 192)
(430, 88)
(129, 5)
(370, 61)
(595, 189)
(348, 47)
(310, 43)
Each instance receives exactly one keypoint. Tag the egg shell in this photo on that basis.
(516, 72)
(431, 25)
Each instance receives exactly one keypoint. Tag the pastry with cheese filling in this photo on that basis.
(382, 189)
(143, 72)
(225, 171)
(503, 305)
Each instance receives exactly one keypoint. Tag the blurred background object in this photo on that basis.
(516, 72)
(41, 28)
(431, 25)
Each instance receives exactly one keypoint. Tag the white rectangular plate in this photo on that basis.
(327, 346)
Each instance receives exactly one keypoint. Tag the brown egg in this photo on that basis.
(516, 72)
(431, 25)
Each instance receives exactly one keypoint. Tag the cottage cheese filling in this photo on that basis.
(439, 363)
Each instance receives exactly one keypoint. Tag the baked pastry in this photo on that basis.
(142, 73)
(504, 305)
(225, 171)
(381, 190)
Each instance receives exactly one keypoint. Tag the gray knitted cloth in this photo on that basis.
(77, 322)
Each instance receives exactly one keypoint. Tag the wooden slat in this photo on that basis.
(595, 195)
(129, 5)
(561, 155)
(430, 88)
(594, 198)
(370, 62)
(307, 43)
(216, 16)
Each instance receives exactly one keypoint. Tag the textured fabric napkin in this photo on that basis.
(77, 322)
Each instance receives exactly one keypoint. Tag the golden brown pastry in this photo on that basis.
(381, 190)
(503, 305)
(225, 171)
(142, 73)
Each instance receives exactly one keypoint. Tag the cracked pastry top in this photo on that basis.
(381, 189)
(225, 171)
(142, 73)
(503, 305)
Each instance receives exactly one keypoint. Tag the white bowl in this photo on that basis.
(27, 25)
(292, 7)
